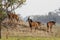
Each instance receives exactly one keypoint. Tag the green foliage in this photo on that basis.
(16, 1)
(9, 3)
(2, 15)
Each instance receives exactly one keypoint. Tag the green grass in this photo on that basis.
(30, 38)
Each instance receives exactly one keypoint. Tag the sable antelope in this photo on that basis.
(10, 15)
(49, 25)
(13, 16)
(33, 24)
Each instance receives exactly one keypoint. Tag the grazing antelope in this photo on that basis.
(49, 25)
(33, 24)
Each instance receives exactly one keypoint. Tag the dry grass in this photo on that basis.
(25, 31)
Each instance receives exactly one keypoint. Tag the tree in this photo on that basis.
(5, 4)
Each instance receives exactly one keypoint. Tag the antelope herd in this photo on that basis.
(33, 24)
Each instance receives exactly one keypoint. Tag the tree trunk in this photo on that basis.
(0, 29)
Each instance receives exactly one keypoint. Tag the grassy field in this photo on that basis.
(24, 33)
(30, 38)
